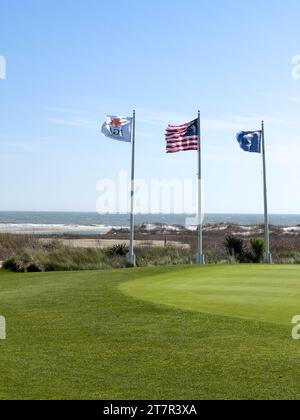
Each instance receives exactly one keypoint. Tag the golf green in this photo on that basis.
(264, 293)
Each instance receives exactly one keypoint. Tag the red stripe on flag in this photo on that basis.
(181, 139)
(181, 149)
(176, 133)
(182, 143)
(177, 126)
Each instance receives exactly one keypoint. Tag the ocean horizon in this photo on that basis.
(84, 223)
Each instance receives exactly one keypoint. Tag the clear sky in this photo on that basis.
(69, 63)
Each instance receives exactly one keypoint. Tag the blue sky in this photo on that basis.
(70, 63)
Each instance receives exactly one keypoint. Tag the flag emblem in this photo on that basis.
(116, 122)
(118, 128)
(250, 141)
(181, 138)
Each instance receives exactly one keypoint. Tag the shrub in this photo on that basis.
(247, 257)
(234, 246)
(21, 264)
(258, 249)
(120, 250)
(14, 264)
(34, 268)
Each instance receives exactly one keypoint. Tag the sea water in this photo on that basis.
(93, 223)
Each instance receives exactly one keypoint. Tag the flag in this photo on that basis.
(180, 138)
(250, 141)
(118, 128)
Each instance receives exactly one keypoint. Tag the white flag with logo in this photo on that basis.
(118, 128)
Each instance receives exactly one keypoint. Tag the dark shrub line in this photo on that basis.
(237, 249)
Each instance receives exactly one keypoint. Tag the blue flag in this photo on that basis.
(250, 141)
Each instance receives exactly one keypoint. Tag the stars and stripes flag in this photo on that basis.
(181, 138)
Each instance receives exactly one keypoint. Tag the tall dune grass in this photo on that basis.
(23, 253)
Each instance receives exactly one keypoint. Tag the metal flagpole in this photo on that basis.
(268, 256)
(200, 259)
(131, 256)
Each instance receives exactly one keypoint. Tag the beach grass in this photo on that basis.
(63, 258)
(214, 332)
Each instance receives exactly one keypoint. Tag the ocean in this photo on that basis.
(93, 223)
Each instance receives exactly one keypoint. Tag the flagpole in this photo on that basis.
(268, 256)
(200, 258)
(131, 256)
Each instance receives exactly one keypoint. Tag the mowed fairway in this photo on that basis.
(215, 332)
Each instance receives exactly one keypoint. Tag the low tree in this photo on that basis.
(258, 250)
(118, 250)
(237, 249)
(234, 247)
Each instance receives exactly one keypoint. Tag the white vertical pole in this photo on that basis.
(131, 257)
(200, 258)
(268, 256)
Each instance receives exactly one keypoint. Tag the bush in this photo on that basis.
(14, 264)
(22, 264)
(258, 249)
(247, 257)
(34, 268)
(120, 250)
(234, 246)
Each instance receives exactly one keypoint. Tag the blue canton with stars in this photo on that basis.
(192, 129)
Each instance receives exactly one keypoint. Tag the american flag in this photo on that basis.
(181, 138)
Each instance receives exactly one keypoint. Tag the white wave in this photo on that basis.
(157, 226)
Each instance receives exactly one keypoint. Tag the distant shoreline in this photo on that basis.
(175, 241)
(153, 229)
(88, 224)
(91, 218)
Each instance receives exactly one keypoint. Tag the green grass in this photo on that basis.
(59, 258)
(153, 333)
(267, 294)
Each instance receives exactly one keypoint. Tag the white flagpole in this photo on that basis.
(131, 257)
(200, 258)
(268, 256)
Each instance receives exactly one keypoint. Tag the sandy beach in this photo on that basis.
(107, 243)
